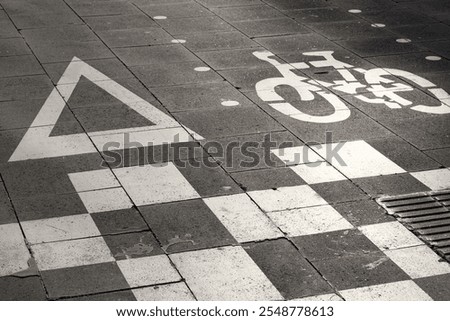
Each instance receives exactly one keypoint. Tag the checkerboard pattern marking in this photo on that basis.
(251, 242)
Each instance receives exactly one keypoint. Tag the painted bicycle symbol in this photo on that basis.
(378, 88)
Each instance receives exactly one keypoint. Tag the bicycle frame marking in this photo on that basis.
(375, 79)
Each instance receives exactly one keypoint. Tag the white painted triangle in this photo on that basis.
(37, 142)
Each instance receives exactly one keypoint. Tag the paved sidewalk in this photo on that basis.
(222, 149)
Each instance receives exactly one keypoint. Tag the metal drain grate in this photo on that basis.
(425, 214)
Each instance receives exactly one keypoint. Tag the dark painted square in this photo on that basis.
(7, 215)
(185, 226)
(435, 287)
(364, 212)
(338, 192)
(334, 244)
(83, 280)
(263, 179)
(133, 245)
(288, 271)
(121, 221)
(126, 295)
(350, 272)
(21, 289)
(390, 184)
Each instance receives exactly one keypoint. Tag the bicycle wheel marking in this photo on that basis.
(378, 89)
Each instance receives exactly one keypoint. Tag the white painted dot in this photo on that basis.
(433, 58)
(403, 40)
(159, 17)
(230, 103)
(178, 41)
(355, 11)
(202, 69)
(378, 25)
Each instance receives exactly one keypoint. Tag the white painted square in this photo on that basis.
(319, 172)
(419, 261)
(14, 255)
(322, 297)
(242, 218)
(93, 180)
(390, 235)
(297, 155)
(149, 270)
(310, 220)
(167, 292)
(224, 274)
(155, 183)
(285, 198)
(359, 159)
(65, 254)
(60, 228)
(104, 200)
(396, 291)
(434, 179)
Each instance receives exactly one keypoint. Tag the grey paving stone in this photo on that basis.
(132, 245)
(263, 179)
(46, 176)
(270, 27)
(362, 270)
(393, 17)
(339, 192)
(431, 8)
(423, 133)
(185, 226)
(19, 66)
(288, 271)
(246, 79)
(232, 59)
(7, 30)
(176, 10)
(345, 243)
(120, 221)
(111, 67)
(310, 16)
(135, 37)
(82, 280)
(258, 12)
(32, 20)
(14, 7)
(413, 62)
(119, 22)
(199, 96)
(403, 154)
(193, 25)
(208, 41)
(293, 4)
(433, 286)
(378, 46)
(13, 47)
(424, 32)
(64, 33)
(349, 30)
(161, 54)
(48, 206)
(231, 121)
(7, 214)
(441, 48)
(357, 127)
(25, 87)
(102, 8)
(296, 43)
(140, 3)
(390, 185)
(363, 212)
(440, 155)
(62, 128)
(209, 181)
(21, 289)
(365, 5)
(88, 94)
(178, 73)
(249, 152)
(228, 3)
(66, 51)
